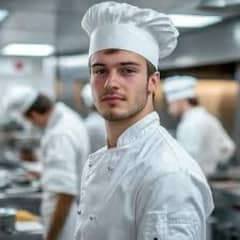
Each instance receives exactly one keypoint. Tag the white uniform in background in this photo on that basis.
(203, 136)
(140, 178)
(96, 130)
(199, 132)
(64, 149)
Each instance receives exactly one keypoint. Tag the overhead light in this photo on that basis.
(75, 61)
(38, 50)
(3, 14)
(193, 21)
(219, 3)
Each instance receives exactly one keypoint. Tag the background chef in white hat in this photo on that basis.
(64, 148)
(94, 121)
(198, 131)
(143, 185)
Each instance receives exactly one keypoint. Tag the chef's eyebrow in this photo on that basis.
(98, 65)
(121, 63)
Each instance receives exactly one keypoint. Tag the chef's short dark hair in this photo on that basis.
(151, 69)
(193, 101)
(41, 105)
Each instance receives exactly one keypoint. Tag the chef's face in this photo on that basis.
(120, 85)
(37, 119)
(174, 108)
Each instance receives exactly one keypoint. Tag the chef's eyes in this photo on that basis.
(121, 71)
(128, 71)
(99, 71)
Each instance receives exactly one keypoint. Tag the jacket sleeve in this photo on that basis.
(60, 172)
(175, 207)
(225, 146)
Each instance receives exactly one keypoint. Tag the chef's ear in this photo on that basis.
(153, 82)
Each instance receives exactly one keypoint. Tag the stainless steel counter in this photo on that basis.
(21, 236)
(226, 193)
(21, 192)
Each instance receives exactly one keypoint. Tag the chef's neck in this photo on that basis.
(116, 128)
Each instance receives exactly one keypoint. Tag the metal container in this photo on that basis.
(7, 220)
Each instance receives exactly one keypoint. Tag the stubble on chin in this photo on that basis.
(131, 113)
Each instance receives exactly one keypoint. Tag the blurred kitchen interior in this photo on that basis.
(209, 49)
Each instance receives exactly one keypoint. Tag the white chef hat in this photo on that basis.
(86, 94)
(18, 99)
(179, 87)
(112, 25)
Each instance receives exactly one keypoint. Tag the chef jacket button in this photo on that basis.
(110, 169)
(91, 218)
(90, 165)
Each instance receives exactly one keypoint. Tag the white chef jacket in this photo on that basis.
(204, 138)
(96, 130)
(147, 188)
(64, 148)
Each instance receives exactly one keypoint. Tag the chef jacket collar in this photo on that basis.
(138, 129)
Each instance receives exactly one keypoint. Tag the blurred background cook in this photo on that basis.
(64, 148)
(198, 131)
